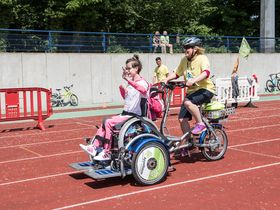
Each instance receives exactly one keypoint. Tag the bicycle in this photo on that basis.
(273, 82)
(141, 149)
(67, 97)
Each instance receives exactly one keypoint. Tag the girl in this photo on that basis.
(137, 88)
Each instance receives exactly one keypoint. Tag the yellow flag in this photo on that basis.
(245, 48)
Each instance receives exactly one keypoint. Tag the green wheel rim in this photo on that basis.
(151, 163)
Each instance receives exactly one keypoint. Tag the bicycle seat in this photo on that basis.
(58, 89)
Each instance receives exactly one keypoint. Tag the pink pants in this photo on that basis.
(106, 131)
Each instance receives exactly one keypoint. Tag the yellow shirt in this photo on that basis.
(192, 69)
(160, 72)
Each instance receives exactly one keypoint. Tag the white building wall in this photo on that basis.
(96, 77)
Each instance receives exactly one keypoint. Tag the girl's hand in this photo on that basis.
(125, 74)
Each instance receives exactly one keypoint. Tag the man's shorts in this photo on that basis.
(198, 97)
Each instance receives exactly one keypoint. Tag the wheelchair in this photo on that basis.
(137, 149)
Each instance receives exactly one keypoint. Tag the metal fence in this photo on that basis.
(15, 40)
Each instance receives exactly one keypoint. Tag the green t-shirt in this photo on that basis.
(164, 39)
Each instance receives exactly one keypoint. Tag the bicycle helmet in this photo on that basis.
(192, 42)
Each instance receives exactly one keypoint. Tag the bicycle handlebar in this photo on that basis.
(172, 85)
(67, 88)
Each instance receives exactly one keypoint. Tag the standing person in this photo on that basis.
(195, 68)
(157, 41)
(165, 42)
(234, 83)
(136, 89)
(161, 71)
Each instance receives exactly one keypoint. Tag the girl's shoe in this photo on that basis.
(103, 156)
(199, 127)
(90, 149)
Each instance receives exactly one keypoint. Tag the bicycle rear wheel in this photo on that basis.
(74, 100)
(278, 84)
(217, 146)
(270, 86)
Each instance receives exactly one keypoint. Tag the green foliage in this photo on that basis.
(199, 17)
(3, 45)
(221, 49)
(117, 49)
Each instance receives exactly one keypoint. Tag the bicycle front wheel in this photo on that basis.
(74, 100)
(270, 86)
(216, 147)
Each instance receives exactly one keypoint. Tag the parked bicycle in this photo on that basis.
(273, 82)
(64, 98)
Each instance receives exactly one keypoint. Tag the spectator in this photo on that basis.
(161, 71)
(234, 82)
(156, 41)
(165, 43)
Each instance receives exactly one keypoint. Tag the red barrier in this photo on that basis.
(178, 94)
(25, 103)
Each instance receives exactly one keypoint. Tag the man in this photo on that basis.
(195, 68)
(161, 71)
(165, 43)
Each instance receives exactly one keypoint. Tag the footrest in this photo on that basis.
(82, 165)
(105, 173)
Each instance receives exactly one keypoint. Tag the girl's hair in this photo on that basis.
(199, 50)
(135, 62)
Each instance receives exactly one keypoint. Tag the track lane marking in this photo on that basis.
(255, 153)
(38, 178)
(46, 156)
(79, 151)
(168, 186)
(29, 150)
(35, 143)
(19, 181)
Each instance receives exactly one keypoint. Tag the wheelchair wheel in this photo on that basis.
(150, 164)
(217, 147)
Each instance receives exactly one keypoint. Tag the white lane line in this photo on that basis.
(34, 153)
(44, 132)
(79, 151)
(168, 186)
(46, 156)
(38, 178)
(255, 142)
(67, 153)
(89, 125)
(36, 143)
(255, 153)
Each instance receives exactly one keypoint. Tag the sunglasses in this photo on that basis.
(186, 47)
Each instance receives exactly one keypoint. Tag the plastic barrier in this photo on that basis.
(25, 103)
(247, 90)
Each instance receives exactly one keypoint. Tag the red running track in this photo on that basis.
(35, 173)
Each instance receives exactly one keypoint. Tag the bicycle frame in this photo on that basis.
(168, 94)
